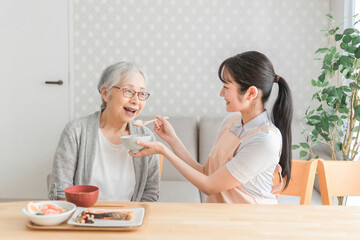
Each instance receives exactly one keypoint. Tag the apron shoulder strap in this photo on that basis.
(232, 120)
(260, 129)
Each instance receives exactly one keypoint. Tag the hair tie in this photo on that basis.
(277, 77)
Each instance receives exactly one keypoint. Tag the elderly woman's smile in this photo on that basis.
(131, 111)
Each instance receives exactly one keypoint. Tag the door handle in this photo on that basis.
(60, 82)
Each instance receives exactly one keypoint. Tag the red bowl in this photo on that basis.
(82, 195)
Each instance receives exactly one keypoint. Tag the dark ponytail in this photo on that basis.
(282, 114)
(255, 69)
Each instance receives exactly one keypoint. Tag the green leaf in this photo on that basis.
(357, 116)
(340, 122)
(357, 109)
(304, 145)
(328, 59)
(322, 50)
(324, 97)
(351, 49)
(338, 37)
(303, 154)
(330, 100)
(321, 78)
(343, 46)
(338, 146)
(315, 132)
(325, 125)
(347, 39)
(356, 40)
(357, 53)
(354, 85)
(313, 83)
(333, 118)
(316, 96)
(329, 15)
(345, 89)
(325, 136)
(293, 147)
(340, 133)
(355, 129)
(345, 72)
(345, 61)
(332, 50)
(349, 31)
(324, 84)
(315, 117)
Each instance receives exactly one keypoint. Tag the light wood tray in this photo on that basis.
(67, 227)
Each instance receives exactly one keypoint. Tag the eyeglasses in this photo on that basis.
(129, 93)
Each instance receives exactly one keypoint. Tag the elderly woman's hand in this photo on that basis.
(150, 148)
(164, 130)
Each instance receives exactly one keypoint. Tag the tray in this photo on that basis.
(68, 227)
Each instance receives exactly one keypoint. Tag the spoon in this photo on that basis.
(140, 123)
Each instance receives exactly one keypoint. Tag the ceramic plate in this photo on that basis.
(138, 217)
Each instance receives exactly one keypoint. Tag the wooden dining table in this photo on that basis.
(164, 220)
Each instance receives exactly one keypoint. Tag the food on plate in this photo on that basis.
(45, 209)
(89, 215)
(84, 217)
(32, 208)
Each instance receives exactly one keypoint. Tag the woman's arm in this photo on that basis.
(180, 150)
(165, 131)
(219, 181)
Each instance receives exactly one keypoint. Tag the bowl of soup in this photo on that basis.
(82, 195)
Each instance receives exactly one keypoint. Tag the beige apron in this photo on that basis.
(223, 152)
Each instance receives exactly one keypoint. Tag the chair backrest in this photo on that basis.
(302, 180)
(338, 178)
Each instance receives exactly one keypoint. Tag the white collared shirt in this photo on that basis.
(255, 160)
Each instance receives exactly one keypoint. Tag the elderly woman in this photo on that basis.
(90, 150)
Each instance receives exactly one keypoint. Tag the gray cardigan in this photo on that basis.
(74, 159)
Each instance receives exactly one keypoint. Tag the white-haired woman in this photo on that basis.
(90, 149)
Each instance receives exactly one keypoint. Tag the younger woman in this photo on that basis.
(249, 147)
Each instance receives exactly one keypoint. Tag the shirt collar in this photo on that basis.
(254, 123)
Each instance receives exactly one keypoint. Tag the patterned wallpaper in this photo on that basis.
(181, 43)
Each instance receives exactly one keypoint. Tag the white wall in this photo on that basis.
(182, 43)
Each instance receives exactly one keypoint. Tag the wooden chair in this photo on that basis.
(338, 178)
(302, 180)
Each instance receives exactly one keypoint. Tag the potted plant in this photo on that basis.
(334, 117)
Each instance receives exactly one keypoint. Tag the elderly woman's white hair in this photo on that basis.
(115, 74)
